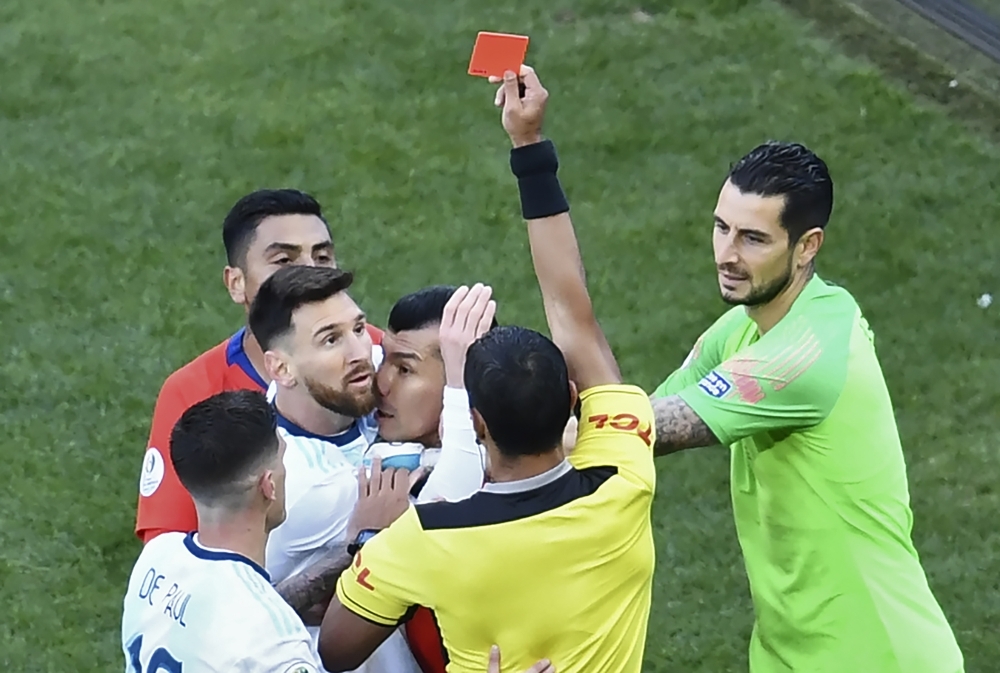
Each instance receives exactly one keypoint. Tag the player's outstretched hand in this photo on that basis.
(383, 497)
(543, 666)
(522, 115)
(467, 316)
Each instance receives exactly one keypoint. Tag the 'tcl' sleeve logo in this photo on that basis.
(624, 422)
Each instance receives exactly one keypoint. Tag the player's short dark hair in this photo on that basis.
(795, 172)
(240, 225)
(285, 291)
(421, 309)
(217, 443)
(518, 381)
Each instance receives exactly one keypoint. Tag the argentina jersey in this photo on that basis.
(349, 446)
(191, 608)
(321, 489)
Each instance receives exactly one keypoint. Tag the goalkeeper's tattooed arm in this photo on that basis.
(678, 427)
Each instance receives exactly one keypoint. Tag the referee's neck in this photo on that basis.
(516, 468)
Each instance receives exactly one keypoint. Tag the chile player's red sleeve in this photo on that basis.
(375, 333)
(424, 639)
(164, 504)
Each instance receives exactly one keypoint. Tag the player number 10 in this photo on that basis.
(160, 660)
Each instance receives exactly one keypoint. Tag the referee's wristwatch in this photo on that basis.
(359, 541)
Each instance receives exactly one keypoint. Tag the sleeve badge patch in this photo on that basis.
(715, 385)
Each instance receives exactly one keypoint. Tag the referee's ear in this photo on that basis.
(574, 400)
(482, 433)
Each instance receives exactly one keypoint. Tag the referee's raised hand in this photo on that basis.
(543, 666)
(522, 115)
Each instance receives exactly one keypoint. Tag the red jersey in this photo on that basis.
(424, 638)
(164, 504)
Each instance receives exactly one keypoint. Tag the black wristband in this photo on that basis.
(535, 167)
(534, 159)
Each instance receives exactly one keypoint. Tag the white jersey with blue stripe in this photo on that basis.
(192, 608)
(321, 489)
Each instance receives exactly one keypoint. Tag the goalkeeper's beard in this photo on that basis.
(763, 293)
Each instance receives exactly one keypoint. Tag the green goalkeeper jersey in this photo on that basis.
(819, 491)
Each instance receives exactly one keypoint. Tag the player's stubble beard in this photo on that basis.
(760, 294)
(341, 400)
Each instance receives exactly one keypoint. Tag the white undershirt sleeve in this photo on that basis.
(460, 468)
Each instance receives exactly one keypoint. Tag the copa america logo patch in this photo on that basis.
(715, 385)
(152, 472)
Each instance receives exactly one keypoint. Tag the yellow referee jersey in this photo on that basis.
(557, 566)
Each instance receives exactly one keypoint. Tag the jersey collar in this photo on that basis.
(221, 555)
(351, 434)
(813, 287)
(237, 355)
(531, 483)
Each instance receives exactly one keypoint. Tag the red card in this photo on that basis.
(495, 53)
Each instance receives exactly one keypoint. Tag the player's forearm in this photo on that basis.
(309, 591)
(459, 470)
(678, 427)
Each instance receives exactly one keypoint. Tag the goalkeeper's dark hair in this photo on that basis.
(791, 170)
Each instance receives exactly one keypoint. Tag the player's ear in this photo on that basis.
(235, 281)
(267, 485)
(808, 246)
(279, 368)
(574, 400)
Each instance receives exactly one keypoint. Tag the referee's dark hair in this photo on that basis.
(286, 290)
(791, 170)
(240, 225)
(218, 443)
(518, 381)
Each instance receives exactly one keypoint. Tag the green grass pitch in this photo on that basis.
(128, 128)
